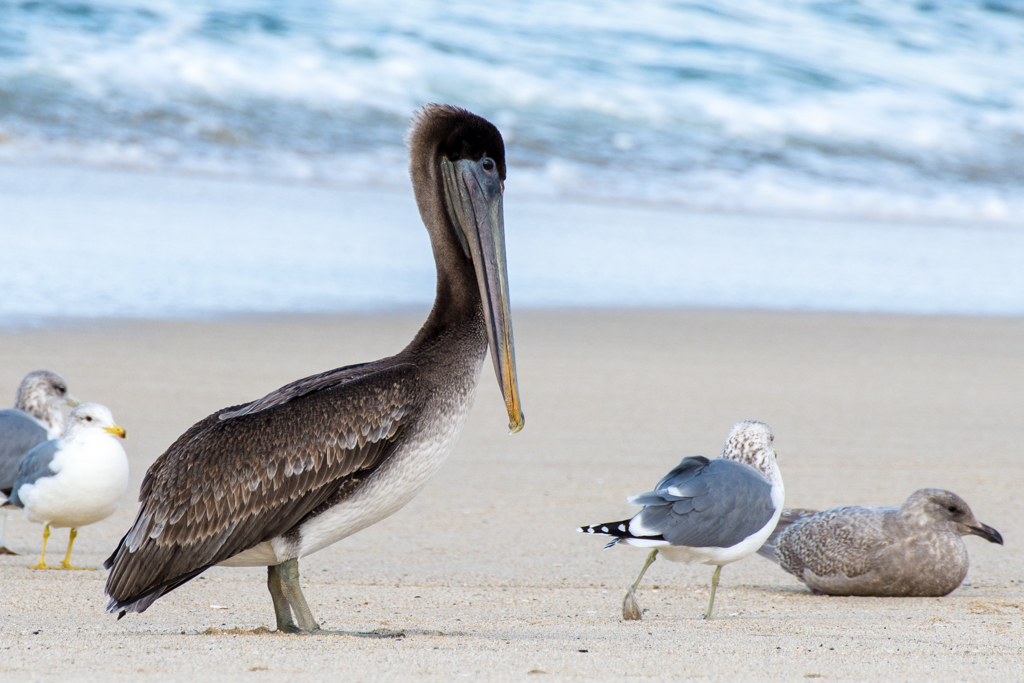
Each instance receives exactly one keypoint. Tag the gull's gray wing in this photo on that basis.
(19, 433)
(705, 503)
(35, 466)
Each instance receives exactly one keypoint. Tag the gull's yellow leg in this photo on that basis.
(714, 587)
(630, 607)
(66, 564)
(42, 559)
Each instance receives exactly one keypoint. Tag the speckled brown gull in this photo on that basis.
(915, 550)
(36, 417)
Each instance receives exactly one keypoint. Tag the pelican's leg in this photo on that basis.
(66, 564)
(714, 585)
(293, 594)
(4, 550)
(285, 623)
(42, 558)
(289, 572)
(630, 609)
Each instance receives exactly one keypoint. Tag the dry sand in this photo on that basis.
(484, 571)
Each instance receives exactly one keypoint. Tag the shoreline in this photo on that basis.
(134, 245)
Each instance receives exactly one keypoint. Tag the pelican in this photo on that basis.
(268, 482)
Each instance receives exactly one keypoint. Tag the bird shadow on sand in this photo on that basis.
(381, 633)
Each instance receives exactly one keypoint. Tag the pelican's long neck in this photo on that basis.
(456, 321)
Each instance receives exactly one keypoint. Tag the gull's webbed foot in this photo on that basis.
(630, 608)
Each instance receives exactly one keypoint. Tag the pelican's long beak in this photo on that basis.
(986, 532)
(116, 431)
(474, 201)
(71, 400)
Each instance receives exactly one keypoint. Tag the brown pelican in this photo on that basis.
(268, 482)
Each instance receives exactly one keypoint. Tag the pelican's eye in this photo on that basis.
(488, 164)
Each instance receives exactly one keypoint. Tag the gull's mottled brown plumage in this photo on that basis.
(915, 550)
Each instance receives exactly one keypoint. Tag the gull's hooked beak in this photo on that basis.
(986, 532)
(116, 431)
(474, 193)
(71, 400)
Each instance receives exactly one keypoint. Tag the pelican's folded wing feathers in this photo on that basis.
(250, 473)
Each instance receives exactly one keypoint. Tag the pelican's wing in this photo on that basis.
(251, 473)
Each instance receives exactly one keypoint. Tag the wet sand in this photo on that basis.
(484, 571)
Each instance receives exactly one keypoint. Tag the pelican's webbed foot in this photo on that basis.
(283, 582)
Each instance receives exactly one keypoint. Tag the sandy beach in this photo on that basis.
(484, 571)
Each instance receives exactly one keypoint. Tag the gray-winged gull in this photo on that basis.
(915, 550)
(35, 417)
(76, 480)
(708, 511)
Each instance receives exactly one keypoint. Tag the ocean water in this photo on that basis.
(848, 110)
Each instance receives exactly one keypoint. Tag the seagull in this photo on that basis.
(708, 511)
(36, 417)
(76, 480)
(915, 550)
(274, 480)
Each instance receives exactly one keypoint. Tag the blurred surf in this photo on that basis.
(877, 110)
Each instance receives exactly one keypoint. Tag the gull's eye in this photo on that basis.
(88, 418)
(952, 508)
(488, 164)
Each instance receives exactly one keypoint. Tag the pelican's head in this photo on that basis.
(457, 162)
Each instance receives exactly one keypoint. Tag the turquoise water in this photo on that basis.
(908, 111)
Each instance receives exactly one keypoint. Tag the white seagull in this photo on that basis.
(76, 480)
(708, 511)
(35, 418)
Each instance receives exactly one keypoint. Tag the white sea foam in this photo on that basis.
(869, 109)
